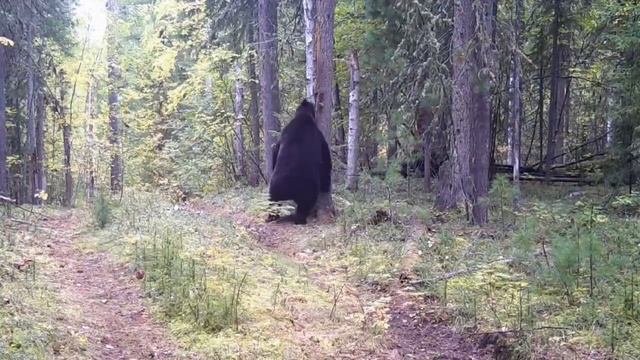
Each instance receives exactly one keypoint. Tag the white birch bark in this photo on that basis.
(354, 118)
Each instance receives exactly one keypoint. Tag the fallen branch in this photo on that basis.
(7, 199)
(457, 273)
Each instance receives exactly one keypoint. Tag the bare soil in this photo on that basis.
(102, 301)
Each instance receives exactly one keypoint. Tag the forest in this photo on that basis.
(482, 174)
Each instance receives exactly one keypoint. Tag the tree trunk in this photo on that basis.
(91, 118)
(516, 92)
(461, 103)
(30, 148)
(254, 175)
(471, 106)
(269, 85)
(115, 123)
(425, 123)
(481, 111)
(68, 178)
(66, 144)
(341, 136)
(308, 7)
(609, 119)
(392, 138)
(41, 176)
(238, 140)
(354, 118)
(325, 13)
(4, 173)
(541, 95)
(557, 91)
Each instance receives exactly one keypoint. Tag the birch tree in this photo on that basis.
(354, 118)
(516, 92)
(308, 7)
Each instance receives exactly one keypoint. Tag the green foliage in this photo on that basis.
(572, 265)
(626, 205)
(502, 198)
(101, 211)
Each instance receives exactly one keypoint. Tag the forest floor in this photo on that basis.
(210, 279)
(414, 331)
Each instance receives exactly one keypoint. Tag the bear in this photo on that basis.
(301, 164)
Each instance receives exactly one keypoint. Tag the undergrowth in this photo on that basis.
(222, 293)
(556, 276)
(30, 326)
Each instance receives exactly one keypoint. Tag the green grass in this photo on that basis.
(30, 321)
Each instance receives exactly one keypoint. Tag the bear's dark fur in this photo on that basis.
(301, 163)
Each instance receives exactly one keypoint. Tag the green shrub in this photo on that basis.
(101, 211)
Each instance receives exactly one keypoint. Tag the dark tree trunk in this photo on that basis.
(425, 124)
(481, 117)
(68, 178)
(325, 13)
(392, 140)
(254, 174)
(91, 116)
(41, 176)
(115, 123)
(4, 173)
(541, 96)
(269, 85)
(558, 88)
(471, 107)
(30, 148)
(341, 136)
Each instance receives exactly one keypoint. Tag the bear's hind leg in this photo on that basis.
(304, 207)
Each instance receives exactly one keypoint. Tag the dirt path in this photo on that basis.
(102, 301)
(415, 331)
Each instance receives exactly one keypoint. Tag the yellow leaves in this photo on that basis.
(42, 195)
(6, 41)
(164, 64)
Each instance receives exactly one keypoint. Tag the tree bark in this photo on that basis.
(481, 111)
(354, 118)
(238, 140)
(541, 96)
(340, 138)
(516, 92)
(255, 173)
(68, 178)
(557, 91)
(269, 85)
(308, 7)
(41, 176)
(425, 123)
(91, 116)
(325, 13)
(4, 172)
(115, 123)
(392, 139)
(471, 107)
(30, 148)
